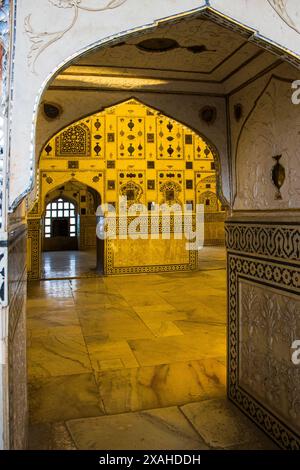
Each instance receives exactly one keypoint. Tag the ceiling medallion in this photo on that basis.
(167, 44)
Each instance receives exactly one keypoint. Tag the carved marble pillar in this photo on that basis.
(263, 322)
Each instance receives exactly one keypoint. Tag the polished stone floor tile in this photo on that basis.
(58, 331)
(44, 320)
(162, 385)
(203, 312)
(38, 305)
(54, 399)
(163, 328)
(58, 354)
(48, 289)
(101, 297)
(68, 264)
(114, 326)
(208, 342)
(189, 327)
(223, 426)
(154, 429)
(162, 312)
(139, 297)
(120, 344)
(109, 354)
(96, 285)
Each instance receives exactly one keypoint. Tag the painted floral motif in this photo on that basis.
(289, 12)
(65, 3)
(42, 40)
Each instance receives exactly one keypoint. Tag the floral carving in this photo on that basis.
(282, 9)
(42, 40)
(269, 323)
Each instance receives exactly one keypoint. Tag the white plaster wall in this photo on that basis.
(89, 28)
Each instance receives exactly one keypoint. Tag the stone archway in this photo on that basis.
(36, 216)
(253, 230)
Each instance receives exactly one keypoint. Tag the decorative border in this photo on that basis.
(34, 233)
(110, 269)
(269, 240)
(283, 275)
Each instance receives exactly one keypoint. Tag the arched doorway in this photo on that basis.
(134, 151)
(64, 231)
(247, 401)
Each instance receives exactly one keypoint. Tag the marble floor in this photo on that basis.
(132, 362)
(68, 264)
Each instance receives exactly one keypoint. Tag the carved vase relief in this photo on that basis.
(268, 132)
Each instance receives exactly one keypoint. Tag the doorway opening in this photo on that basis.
(60, 226)
(68, 232)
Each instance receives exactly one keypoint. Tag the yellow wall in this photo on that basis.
(130, 146)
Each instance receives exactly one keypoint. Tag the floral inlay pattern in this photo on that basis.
(41, 40)
(288, 11)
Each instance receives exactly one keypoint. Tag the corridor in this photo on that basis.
(132, 362)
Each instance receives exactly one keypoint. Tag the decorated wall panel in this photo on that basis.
(266, 132)
(263, 309)
(131, 146)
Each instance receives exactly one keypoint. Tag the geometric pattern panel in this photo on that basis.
(150, 147)
(130, 130)
(34, 234)
(261, 294)
(279, 241)
(75, 140)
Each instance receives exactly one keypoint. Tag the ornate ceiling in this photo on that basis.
(199, 51)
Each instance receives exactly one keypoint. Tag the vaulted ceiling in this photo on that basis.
(191, 52)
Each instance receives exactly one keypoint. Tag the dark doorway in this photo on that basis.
(60, 226)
